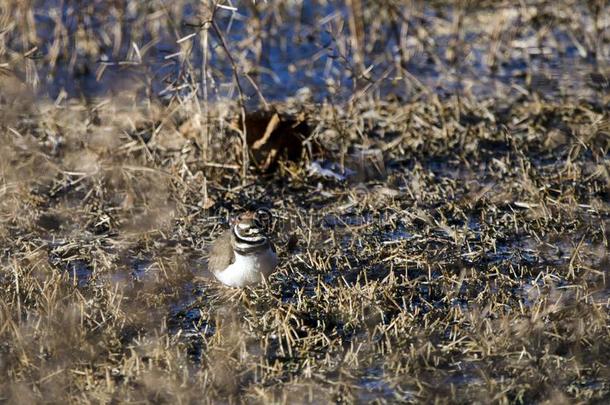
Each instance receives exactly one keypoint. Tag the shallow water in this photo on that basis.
(305, 52)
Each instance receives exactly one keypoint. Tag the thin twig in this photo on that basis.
(242, 104)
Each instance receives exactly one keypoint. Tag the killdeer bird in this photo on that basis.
(243, 255)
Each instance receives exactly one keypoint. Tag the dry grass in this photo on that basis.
(466, 260)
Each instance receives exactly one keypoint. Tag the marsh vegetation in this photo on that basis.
(442, 233)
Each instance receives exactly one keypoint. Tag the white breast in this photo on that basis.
(247, 270)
